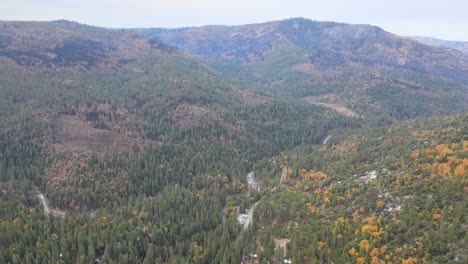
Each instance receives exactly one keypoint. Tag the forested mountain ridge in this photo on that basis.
(327, 44)
(359, 67)
(86, 71)
(118, 148)
(93, 100)
(68, 44)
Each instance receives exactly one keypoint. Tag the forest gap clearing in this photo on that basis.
(333, 101)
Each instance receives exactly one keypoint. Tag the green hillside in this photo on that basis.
(394, 195)
(116, 147)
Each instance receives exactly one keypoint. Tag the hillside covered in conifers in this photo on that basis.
(294, 140)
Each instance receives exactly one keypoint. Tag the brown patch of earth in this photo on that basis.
(74, 143)
(73, 134)
(250, 98)
(344, 148)
(76, 139)
(333, 101)
(281, 243)
(188, 116)
(304, 67)
(277, 83)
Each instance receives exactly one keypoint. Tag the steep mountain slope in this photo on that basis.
(373, 71)
(457, 45)
(86, 71)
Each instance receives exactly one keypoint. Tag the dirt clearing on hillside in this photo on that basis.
(333, 101)
(250, 98)
(281, 243)
(75, 134)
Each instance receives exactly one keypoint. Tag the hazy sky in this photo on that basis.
(446, 19)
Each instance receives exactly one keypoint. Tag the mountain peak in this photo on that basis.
(301, 57)
(330, 44)
(65, 21)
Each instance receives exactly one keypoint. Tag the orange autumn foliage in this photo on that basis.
(381, 204)
(375, 260)
(444, 160)
(360, 260)
(437, 214)
(460, 170)
(352, 252)
(410, 260)
(383, 249)
(320, 245)
(374, 252)
(364, 244)
(313, 174)
(312, 209)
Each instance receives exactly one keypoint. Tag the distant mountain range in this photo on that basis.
(458, 45)
(64, 43)
(357, 70)
(323, 44)
(347, 63)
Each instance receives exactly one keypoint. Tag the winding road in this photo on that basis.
(47, 210)
(250, 215)
(284, 170)
(253, 185)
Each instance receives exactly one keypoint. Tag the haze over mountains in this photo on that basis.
(341, 144)
(343, 44)
(458, 45)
